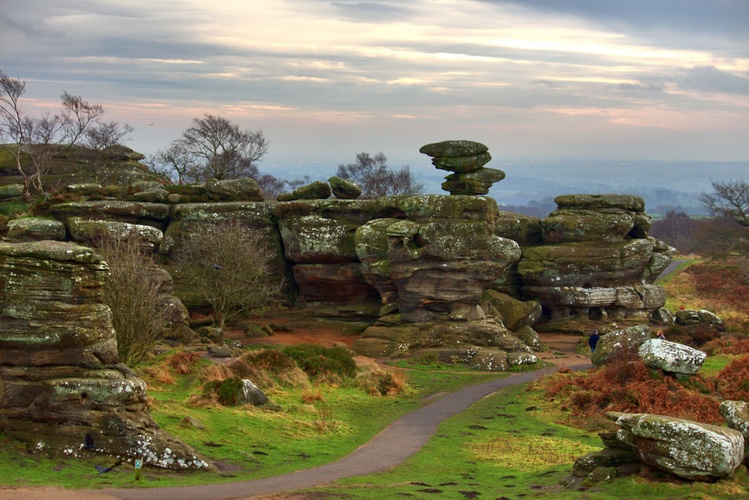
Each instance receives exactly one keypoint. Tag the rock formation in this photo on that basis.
(466, 159)
(680, 447)
(61, 387)
(596, 260)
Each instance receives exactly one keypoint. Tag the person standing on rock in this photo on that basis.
(593, 340)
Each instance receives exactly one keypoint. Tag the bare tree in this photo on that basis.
(35, 142)
(376, 179)
(220, 149)
(134, 294)
(174, 159)
(730, 198)
(232, 266)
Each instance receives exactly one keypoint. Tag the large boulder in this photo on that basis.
(234, 189)
(317, 190)
(686, 449)
(484, 345)
(36, 229)
(11, 191)
(478, 182)
(671, 357)
(88, 231)
(151, 214)
(62, 389)
(619, 343)
(344, 189)
(515, 313)
(697, 316)
(453, 148)
(736, 415)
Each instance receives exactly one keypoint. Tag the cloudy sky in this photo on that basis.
(544, 79)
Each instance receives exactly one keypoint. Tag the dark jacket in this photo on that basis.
(593, 341)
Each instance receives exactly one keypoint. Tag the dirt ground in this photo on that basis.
(560, 350)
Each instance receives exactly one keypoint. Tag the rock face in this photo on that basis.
(60, 383)
(680, 447)
(36, 229)
(671, 356)
(466, 159)
(596, 260)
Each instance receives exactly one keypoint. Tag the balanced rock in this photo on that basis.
(687, 449)
(63, 390)
(671, 356)
(466, 159)
(245, 189)
(317, 190)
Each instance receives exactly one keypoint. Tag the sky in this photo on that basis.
(324, 80)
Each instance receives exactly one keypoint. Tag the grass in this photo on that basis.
(317, 423)
(509, 445)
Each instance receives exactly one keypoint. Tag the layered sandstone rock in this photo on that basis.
(61, 387)
(466, 159)
(597, 260)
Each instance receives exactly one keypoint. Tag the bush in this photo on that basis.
(228, 390)
(133, 293)
(318, 361)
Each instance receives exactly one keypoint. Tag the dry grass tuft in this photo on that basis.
(378, 382)
(310, 396)
(733, 380)
(183, 362)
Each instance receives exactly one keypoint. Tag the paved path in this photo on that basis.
(389, 448)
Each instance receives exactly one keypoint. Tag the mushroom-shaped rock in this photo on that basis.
(453, 148)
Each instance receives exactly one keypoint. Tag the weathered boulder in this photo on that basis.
(663, 315)
(317, 190)
(453, 342)
(686, 449)
(529, 336)
(62, 388)
(515, 313)
(150, 214)
(619, 343)
(454, 148)
(608, 457)
(736, 415)
(141, 186)
(158, 195)
(477, 182)
(600, 201)
(88, 231)
(697, 316)
(245, 189)
(251, 394)
(344, 189)
(36, 229)
(10, 191)
(461, 164)
(671, 357)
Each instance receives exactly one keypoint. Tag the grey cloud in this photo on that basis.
(712, 79)
(724, 16)
(372, 11)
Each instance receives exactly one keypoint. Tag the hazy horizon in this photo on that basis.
(326, 79)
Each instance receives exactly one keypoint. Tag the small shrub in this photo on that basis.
(228, 391)
(183, 362)
(310, 396)
(318, 361)
(378, 382)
